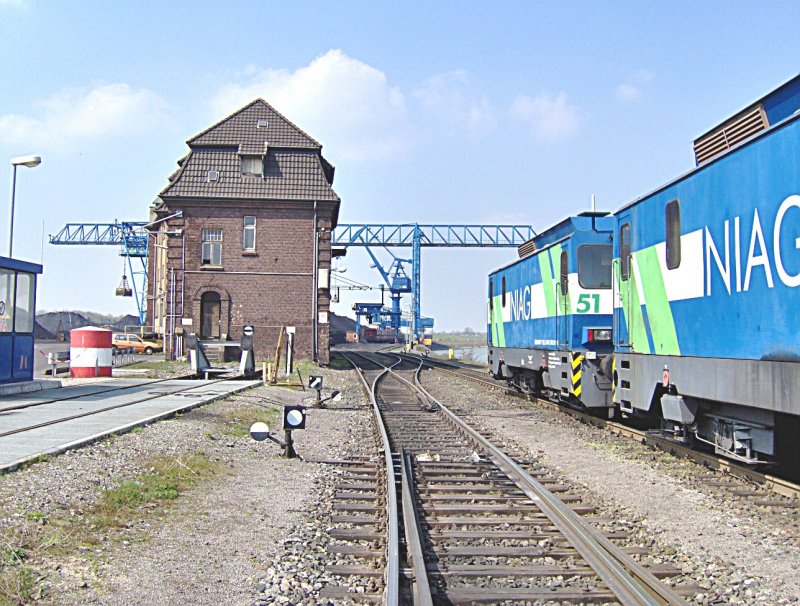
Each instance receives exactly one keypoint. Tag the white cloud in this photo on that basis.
(80, 114)
(342, 102)
(628, 93)
(453, 96)
(551, 116)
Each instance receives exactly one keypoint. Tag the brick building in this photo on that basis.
(242, 236)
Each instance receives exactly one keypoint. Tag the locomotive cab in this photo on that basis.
(549, 314)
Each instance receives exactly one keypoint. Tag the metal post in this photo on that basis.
(415, 281)
(11, 217)
(288, 450)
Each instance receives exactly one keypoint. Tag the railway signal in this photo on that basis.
(294, 417)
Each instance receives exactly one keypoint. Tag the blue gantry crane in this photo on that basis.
(131, 237)
(415, 236)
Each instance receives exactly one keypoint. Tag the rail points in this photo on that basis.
(473, 524)
(773, 483)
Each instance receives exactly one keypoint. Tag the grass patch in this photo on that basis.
(57, 535)
(166, 479)
(339, 363)
(17, 585)
(168, 365)
(19, 581)
(238, 422)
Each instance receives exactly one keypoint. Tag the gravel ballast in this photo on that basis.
(229, 540)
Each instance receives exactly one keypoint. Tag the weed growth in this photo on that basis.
(238, 422)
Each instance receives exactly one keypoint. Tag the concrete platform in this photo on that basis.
(13, 389)
(85, 413)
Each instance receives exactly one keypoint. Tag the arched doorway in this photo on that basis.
(209, 315)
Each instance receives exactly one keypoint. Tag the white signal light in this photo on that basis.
(259, 431)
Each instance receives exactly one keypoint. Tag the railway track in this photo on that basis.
(772, 483)
(466, 523)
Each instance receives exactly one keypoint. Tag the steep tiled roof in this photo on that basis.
(240, 129)
(290, 175)
(294, 166)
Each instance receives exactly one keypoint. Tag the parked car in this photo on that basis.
(139, 345)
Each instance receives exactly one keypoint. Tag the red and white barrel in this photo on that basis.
(89, 352)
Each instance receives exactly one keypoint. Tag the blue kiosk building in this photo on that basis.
(17, 314)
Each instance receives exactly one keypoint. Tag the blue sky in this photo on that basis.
(432, 112)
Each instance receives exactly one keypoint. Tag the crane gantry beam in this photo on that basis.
(416, 236)
(130, 236)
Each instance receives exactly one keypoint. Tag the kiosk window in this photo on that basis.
(24, 313)
(6, 300)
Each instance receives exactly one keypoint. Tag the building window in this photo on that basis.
(253, 165)
(249, 234)
(212, 247)
(625, 251)
(673, 221)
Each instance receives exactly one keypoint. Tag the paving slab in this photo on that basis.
(81, 414)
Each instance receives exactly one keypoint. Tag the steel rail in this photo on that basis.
(391, 591)
(422, 588)
(770, 482)
(631, 583)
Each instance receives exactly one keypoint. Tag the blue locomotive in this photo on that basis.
(704, 284)
(550, 313)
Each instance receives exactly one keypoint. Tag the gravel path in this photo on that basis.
(218, 544)
(736, 554)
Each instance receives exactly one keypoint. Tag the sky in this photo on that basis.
(432, 112)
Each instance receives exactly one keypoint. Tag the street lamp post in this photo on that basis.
(30, 162)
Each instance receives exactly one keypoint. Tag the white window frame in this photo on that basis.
(211, 244)
(253, 165)
(248, 229)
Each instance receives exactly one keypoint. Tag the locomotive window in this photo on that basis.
(594, 265)
(504, 291)
(26, 291)
(673, 221)
(564, 272)
(625, 251)
(6, 300)
(491, 293)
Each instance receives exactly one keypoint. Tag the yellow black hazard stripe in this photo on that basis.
(577, 362)
(614, 379)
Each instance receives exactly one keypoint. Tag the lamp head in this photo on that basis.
(29, 161)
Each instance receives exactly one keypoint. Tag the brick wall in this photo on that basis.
(268, 288)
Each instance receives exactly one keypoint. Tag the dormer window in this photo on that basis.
(253, 165)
